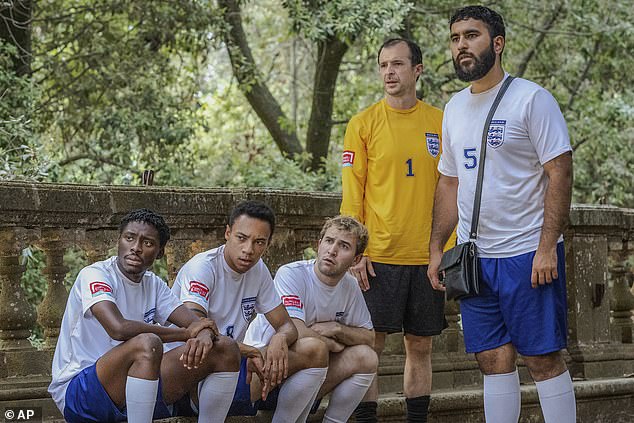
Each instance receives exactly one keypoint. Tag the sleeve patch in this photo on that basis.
(200, 289)
(100, 288)
(348, 158)
(292, 301)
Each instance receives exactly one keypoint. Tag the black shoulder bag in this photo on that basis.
(460, 264)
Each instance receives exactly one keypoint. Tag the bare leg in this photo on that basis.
(502, 401)
(379, 345)
(417, 374)
(139, 357)
(178, 380)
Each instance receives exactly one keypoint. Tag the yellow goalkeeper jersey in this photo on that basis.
(389, 177)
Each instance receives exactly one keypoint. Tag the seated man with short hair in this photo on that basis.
(325, 302)
(109, 364)
(230, 284)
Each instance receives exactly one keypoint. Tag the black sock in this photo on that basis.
(417, 409)
(365, 412)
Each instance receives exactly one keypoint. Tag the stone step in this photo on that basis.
(598, 401)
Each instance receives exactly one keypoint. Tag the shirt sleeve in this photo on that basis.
(196, 283)
(546, 127)
(359, 315)
(354, 169)
(447, 162)
(292, 293)
(267, 298)
(166, 301)
(95, 285)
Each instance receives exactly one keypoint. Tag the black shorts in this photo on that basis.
(401, 299)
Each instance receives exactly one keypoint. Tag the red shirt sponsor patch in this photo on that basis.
(98, 288)
(292, 301)
(199, 289)
(348, 158)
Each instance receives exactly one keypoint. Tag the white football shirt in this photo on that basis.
(309, 299)
(82, 340)
(527, 130)
(232, 299)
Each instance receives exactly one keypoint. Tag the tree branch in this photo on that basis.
(541, 35)
(584, 75)
(329, 55)
(94, 158)
(251, 82)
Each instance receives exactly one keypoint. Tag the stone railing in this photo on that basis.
(54, 218)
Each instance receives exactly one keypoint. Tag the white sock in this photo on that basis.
(502, 401)
(302, 417)
(557, 397)
(346, 396)
(140, 398)
(296, 392)
(215, 394)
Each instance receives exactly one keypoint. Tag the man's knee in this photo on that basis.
(418, 346)
(146, 347)
(364, 358)
(544, 367)
(226, 355)
(497, 361)
(312, 352)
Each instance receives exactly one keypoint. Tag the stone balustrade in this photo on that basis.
(55, 218)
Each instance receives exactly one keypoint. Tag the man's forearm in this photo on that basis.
(556, 200)
(350, 335)
(445, 212)
(289, 331)
(131, 328)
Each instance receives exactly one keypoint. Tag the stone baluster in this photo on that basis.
(54, 243)
(97, 243)
(622, 300)
(454, 342)
(17, 316)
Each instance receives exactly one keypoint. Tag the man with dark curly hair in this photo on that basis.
(109, 364)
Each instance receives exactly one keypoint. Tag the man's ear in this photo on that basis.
(498, 44)
(161, 253)
(357, 259)
(419, 69)
(227, 232)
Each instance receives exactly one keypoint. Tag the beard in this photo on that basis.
(481, 66)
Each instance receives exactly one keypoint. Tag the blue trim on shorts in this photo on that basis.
(88, 402)
(509, 310)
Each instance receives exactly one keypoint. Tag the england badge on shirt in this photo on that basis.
(433, 143)
(495, 136)
(248, 308)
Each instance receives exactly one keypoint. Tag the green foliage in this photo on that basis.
(21, 155)
(318, 20)
(118, 83)
(118, 87)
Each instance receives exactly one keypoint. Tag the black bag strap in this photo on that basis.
(475, 217)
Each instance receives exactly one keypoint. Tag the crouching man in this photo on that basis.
(325, 302)
(109, 364)
(230, 284)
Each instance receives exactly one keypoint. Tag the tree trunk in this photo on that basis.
(15, 29)
(330, 52)
(252, 85)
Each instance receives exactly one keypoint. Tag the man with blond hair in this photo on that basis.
(325, 302)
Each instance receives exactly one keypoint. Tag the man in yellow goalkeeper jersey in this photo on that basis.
(390, 158)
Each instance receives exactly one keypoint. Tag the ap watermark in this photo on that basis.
(22, 414)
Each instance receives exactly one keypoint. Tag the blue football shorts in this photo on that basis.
(509, 310)
(87, 401)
